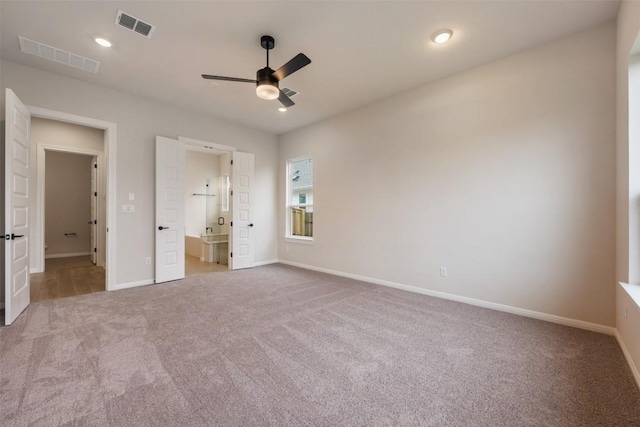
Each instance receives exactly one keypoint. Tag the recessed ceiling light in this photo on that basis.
(442, 36)
(282, 109)
(103, 42)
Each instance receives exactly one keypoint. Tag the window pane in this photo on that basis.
(301, 198)
(301, 221)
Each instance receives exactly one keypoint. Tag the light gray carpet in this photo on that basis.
(280, 346)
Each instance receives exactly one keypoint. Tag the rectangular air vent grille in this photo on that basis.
(289, 92)
(132, 23)
(60, 56)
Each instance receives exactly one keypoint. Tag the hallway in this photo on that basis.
(67, 277)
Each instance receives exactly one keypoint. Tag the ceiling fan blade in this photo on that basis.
(228, 79)
(298, 61)
(285, 100)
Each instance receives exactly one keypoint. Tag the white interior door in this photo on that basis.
(169, 225)
(17, 168)
(94, 210)
(242, 174)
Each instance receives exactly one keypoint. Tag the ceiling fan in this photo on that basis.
(266, 79)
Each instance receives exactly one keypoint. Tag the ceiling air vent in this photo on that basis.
(132, 23)
(289, 92)
(58, 55)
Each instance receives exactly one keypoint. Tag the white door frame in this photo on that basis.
(109, 129)
(42, 148)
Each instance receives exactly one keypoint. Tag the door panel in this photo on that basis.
(169, 226)
(241, 236)
(17, 169)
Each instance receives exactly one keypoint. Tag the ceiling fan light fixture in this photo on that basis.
(442, 36)
(267, 85)
(267, 90)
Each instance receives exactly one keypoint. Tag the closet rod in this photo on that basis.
(202, 194)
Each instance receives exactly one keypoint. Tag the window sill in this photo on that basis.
(303, 240)
(633, 291)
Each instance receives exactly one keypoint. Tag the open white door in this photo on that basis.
(169, 209)
(94, 210)
(17, 168)
(242, 174)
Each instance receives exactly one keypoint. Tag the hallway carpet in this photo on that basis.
(281, 346)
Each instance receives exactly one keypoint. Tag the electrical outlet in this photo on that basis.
(443, 271)
(128, 208)
(147, 260)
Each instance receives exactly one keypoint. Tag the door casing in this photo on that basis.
(109, 165)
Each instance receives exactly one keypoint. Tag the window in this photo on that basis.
(300, 198)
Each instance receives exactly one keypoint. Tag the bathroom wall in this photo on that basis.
(199, 168)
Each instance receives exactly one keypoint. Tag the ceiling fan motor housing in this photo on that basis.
(265, 76)
(267, 84)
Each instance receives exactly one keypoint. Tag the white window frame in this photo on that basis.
(288, 205)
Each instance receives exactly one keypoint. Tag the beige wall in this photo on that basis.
(628, 179)
(504, 174)
(67, 203)
(138, 122)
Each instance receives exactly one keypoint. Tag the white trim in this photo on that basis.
(110, 141)
(120, 286)
(299, 239)
(627, 356)
(633, 290)
(67, 255)
(267, 262)
(594, 327)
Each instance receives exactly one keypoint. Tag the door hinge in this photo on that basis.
(95, 221)
(95, 250)
(231, 254)
(232, 192)
(231, 161)
(231, 223)
(95, 194)
(95, 166)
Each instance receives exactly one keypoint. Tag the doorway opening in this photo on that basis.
(207, 213)
(74, 251)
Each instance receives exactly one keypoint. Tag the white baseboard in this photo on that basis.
(581, 324)
(68, 255)
(120, 286)
(267, 262)
(627, 356)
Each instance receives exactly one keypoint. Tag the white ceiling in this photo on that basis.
(361, 51)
